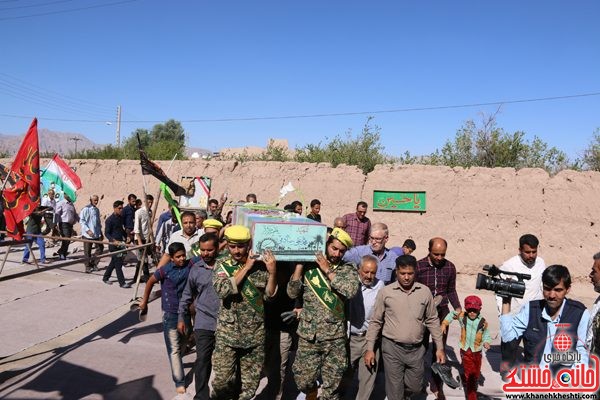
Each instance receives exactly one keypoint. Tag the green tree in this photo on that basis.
(365, 150)
(169, 131)
(160, 143)
(274, 152)
(591, 155)
(108, 152)
(487, 145)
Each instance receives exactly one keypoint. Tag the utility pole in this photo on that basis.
(118, 126)
(75, 139)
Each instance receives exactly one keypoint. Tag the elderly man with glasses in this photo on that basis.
(386, 259)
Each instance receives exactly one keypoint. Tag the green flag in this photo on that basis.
(172, 205)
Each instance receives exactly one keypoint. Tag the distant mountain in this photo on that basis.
(62, 143)
(65, 143)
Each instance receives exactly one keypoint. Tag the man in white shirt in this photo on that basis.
(142, 234)
(526, 262)
(187, 235)
(361, 308)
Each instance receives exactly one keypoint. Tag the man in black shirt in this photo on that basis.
(34, 227)
(115, 234)
(128, 216)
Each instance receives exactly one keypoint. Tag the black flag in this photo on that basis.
(151, 168)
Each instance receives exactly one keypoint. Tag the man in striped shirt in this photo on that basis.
(439, 275)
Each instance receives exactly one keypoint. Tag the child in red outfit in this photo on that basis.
(474, 336)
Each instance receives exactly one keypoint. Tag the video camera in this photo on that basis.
(502, 287)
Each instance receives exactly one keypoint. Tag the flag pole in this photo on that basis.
(150, 231)
(159, 192)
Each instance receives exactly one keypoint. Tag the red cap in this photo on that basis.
(472, 302)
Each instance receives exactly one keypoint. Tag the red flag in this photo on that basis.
(21, 199)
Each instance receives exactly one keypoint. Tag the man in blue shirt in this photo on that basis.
(537, 320)
(386, 259)
(199, 289)
(91, 228)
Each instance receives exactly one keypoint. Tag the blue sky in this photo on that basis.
(199, 60)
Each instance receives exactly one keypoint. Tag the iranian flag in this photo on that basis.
(60, 177)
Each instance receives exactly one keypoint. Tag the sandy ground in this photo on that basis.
(66, 335)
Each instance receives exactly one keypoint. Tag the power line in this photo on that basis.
(68, 10)
(39, 93)
(35, 5)
(303, 116)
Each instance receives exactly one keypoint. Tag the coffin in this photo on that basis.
(289, 236)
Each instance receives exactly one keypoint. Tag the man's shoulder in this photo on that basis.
(347, 266)
(575, 303)
(511, 262)
(175, 236)
(423, 262)
(362, 249)
(540, 263)
(450, 264)
(379, 285)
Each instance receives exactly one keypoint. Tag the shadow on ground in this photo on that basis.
(74, 381)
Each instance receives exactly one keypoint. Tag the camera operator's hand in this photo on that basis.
(506, 300)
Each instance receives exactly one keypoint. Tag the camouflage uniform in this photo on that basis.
(240, 335)
(322, 335)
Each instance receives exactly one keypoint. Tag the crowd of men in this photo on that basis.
(360, 306)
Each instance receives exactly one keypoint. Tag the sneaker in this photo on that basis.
(23, 262)
(128, 285)
(46, 262)
(107, 282)
(444, 371)
(124, 286)
(88, 270)
(61, 257)
(95, 268)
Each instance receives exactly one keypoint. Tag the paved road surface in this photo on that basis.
(66, 335)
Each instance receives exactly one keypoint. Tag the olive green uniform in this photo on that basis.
(240, 334)
(322, 334)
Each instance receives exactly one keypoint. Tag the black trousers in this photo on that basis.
(116, 263)
(87, 251)
(66, 231)
(205, 344)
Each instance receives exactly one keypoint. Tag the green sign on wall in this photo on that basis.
(399, 201)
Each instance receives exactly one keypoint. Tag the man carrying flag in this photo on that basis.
(22, 198)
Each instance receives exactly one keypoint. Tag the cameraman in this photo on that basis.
(526, 262)
(536, 321)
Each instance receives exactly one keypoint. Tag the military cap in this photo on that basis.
(342, 236)
(212, 223)
(237, 234)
